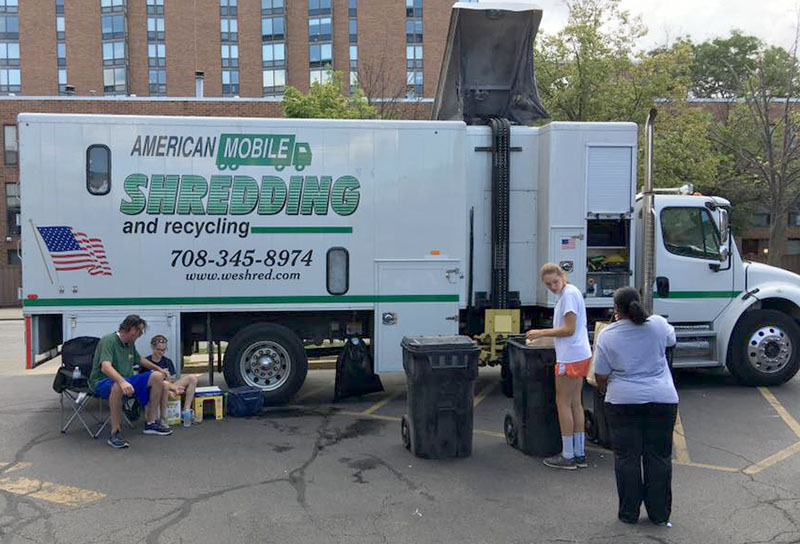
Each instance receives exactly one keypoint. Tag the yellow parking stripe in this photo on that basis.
(704, 465)
(47, 491)
(772, 459)
(380, 404)
(781, 411)
(679, 443)
(485, 392)
(14, 467)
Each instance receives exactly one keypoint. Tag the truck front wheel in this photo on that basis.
(268, 356)
(765, 348)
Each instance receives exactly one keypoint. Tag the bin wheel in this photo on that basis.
(405, 433)
(590, 426)
(510, 430)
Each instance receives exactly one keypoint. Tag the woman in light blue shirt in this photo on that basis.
(641, 406)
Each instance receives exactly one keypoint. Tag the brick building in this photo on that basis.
(201, 57)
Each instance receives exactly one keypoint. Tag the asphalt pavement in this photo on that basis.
(318, 472)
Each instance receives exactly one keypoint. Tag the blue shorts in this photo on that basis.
(139, 382)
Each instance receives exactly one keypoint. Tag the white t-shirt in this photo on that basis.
(634, 359)
(571, 349)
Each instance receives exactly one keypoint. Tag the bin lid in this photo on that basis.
(438, 343)
(520, 343)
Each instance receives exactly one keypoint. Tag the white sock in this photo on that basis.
(566, 447)
(579, 441)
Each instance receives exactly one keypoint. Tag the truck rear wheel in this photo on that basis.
(765, 348)
(268, 356)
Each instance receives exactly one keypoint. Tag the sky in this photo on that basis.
(773, 21)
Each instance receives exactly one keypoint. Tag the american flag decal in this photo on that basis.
(74, 250)
(568, 243)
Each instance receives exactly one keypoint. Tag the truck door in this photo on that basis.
(415, 298)
(693, 283)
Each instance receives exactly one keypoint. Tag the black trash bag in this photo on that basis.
(355, 374)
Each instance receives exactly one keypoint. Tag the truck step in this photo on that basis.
(694, 333)
(695, 362)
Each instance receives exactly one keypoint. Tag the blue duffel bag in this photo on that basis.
(245, 401)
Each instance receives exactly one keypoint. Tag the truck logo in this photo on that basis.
(278, 150)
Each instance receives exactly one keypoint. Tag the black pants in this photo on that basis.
(641, 435)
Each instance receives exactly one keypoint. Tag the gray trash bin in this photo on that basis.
(440, 375)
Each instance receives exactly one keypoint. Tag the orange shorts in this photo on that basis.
(578, 369)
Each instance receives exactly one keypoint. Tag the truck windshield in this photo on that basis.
(690, 232)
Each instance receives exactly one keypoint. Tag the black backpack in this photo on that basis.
(245, 401)
(78, 352)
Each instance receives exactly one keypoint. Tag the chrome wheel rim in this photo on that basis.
(265, 365)
(769, 349)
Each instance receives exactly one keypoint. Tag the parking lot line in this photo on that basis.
(381, 403)
(781, 411)
(13, 467)
(772, 459)
(485, 392)
(313, 392)
(706, 466)
(679, 442)
(47, 491)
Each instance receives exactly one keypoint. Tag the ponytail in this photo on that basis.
(627, 301)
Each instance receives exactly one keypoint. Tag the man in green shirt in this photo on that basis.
(113, 378)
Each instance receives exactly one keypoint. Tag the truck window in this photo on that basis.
(98, 169)
(338, 270)
(690, 232)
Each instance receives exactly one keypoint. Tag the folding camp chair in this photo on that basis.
(75, 392)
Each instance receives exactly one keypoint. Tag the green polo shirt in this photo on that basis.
(122, 357)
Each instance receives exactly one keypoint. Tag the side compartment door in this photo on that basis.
(415, 298)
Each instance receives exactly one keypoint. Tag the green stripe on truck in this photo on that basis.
(700, 294)
(159, 301)
(301, 230)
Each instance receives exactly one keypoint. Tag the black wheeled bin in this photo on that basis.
(533, 427)
(440, 375)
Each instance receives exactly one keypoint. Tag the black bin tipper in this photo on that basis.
(440, 377)
(533, 427)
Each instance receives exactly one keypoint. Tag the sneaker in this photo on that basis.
(196, 420)
(580, 461)
(559, 461)
(117, 442)
(156, 428)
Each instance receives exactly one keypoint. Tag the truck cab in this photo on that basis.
(726, 311)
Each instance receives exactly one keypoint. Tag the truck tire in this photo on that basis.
(268, 356)
(765, 348)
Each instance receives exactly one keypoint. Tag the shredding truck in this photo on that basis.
(276, 234)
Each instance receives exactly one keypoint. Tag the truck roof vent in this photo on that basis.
(487, 69)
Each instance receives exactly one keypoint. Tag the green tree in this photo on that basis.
(718, 64)
(328, 100)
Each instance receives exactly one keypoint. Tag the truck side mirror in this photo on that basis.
(724, 226)
(724, 253)
(662, 286)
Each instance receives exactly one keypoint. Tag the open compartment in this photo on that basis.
(607, 256)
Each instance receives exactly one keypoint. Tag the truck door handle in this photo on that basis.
(662, 286)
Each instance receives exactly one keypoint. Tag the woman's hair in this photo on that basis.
(627, 301)
(158, 339)
(552, 268)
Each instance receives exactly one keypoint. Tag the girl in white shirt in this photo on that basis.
(573, 354)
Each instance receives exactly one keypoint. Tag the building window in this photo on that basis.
(414, 83)
(156, 55)
(60, 27)
(13, 209)
(9, 54)
(9, 27)
(9, 6)
(414, 9)
(319, 7)
(319, 76)
(113, 53)
(230, 82)
(61, 54)
(273, 28)
(414, 73)
(62, 81)
(114, 81)
(230, 56)
(155, 28)
(319, 54)
(59, 7)
(228, 8)
(319, 30)
(352, 9)
(794, 219)
(13, 257)
(413, 30)
(10, 145)
(158, 81)
(353, 26)
(111, 6)
(274, 81)
(155, 7)
(272, 7)
(229, 29)
(413, 57)
(760, 219)
(10, 80)
(113, 26)
(353, 68)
